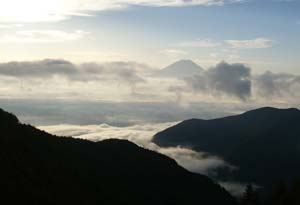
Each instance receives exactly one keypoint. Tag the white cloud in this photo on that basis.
(42, 36)
(250, 44)
(10, 26)
(57, 10)
(174, 53)
(95, 56)
(235, 188)
(200, 43)
(140, 134)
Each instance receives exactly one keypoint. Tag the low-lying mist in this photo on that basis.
(141, 135)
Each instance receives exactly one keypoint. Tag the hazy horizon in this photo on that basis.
(234, 51)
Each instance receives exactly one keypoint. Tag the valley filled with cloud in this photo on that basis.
(141, 135)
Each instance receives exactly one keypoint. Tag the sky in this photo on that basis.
(247, 51)
(262, 34)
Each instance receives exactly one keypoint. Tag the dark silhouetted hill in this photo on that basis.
(264, 144)
(39, 168)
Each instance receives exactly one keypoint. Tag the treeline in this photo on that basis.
(280, 194)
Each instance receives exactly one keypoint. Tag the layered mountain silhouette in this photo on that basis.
(263, 144)
(39, 168)
(180, 69)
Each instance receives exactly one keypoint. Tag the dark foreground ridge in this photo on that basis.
(264, 143)
(39, 168)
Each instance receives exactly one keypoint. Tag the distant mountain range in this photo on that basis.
(180, 69)
(263, 144)
(39, 168)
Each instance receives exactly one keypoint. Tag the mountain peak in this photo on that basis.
(186, 64)
(180, 69)
(185, 61)
(265, 140)
(272, 110)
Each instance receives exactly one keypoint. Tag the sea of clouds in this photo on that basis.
(142, 134)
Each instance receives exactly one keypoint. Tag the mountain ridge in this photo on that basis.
(40, 168)
(257, 141)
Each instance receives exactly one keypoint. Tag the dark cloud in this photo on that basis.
(120, 72)
(235, 80)
(41, 69)
(198, 83)
(126, 72)
(232, 80)
(269, 85)
(178, 90)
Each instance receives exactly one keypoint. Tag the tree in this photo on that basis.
(250, 196)
(279, 194)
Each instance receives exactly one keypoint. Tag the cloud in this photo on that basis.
(99, 56)
(57, 10)
(194, 161)
(113, 80)
(236, 81)
(142, 135)
(119, 72)
(178, 90)
(200, 43)
(37, 69)
(10, 26)
(233, 80)
(280, 85)
(42, 36)
(235, 188)
(250, 44)
(173, 52)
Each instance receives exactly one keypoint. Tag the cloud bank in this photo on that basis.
(225, 82)
(237, 82)
(250, 44)
(223, 79)
(197, 162)
(120, 72)
(281, 85)
(200, 43)
(37, 69)
(142, 135)
(42, 36)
